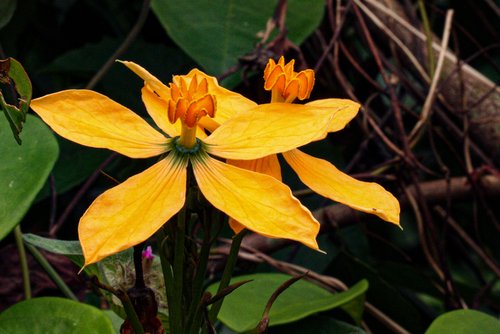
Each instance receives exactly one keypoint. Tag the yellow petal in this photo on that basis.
(268, 165)
(348, 109)
(157, 109)
(322, 177)
(268, 129)
(156, 85)
(91, 119)
(259, 202)
(131, 212)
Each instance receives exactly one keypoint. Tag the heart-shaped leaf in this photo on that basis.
(216, 33)
(464, 322)
(242, 309)
(54, 315)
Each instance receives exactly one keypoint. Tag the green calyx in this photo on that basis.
(181, 149)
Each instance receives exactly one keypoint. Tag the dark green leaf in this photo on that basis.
(12, 73)
(216, 33)
(243, 308)
(464, 322)
(7, 8)
(23, 169)
(54, 315)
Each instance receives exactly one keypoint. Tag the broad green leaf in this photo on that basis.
(216, 33)
(464, 322)
(12, 73)
(317, 325)
(356, 306)
(23, 169)
(54, 315)
(7, 8)
(115, 319)
(242, 309)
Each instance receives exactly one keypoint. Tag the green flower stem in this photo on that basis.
(18, 236)
(126, 302)
(166, 267)
(228, 272)
(131, 315)
(176, 310)
(42, 261)
(194, 315)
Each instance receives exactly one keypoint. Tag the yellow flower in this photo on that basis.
(319, 175)
(131, 212)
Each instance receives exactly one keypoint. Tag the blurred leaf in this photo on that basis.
(317, 325)
(24, 170)
(356, 306)
(216, 33)
(381, 294)
(119, 83)
(243, 308)
(63, 247)
(464, 322)
(54, 315)
(7, 9)
(71, 249)
(115, 319)
(12, 71)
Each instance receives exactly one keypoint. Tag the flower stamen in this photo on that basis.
(285, 84)
(189, 102)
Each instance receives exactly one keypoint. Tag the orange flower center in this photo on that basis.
(285, 84)
(189, 103)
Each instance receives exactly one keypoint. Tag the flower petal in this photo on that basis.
(322, 177)
(268, 129)
(131, 212)
(91, 119)
(155, 85)
(348, 109)
(157, 109)
(259, 202)
(269, 165)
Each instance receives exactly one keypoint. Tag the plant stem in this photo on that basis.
(228, 272)
(18, 236)
(176, 310)
(42, 261)
(166, 268)
(193, 320)
(126, 302)
(129, 309)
